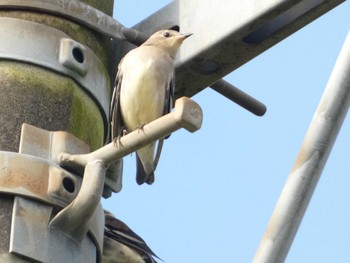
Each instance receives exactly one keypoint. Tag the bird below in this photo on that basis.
(144, 91)
(122, 245)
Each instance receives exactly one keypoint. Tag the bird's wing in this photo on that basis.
(114, 113)
(168, 105)
(119, 231)
(169, 96)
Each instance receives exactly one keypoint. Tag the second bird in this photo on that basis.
(144, 91)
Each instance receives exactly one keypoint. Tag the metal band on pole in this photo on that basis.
(74, 10)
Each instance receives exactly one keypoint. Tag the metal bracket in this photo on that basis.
(58, 53)
(229, 34)
(186, 114)
(62, 187)
(42, 189)
(47, 188)
(36, 178)
(31, 236)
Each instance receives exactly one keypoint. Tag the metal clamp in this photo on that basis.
(36, 178)
(34, 239)
(58, 53)
(41, 188)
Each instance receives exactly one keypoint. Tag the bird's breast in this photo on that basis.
(143, 90)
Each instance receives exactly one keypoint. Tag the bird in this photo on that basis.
(122, 245)
(144, 91)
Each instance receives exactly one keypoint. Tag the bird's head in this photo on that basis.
(169, 40)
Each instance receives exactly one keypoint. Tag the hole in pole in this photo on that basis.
(68, 184)
(78, 54)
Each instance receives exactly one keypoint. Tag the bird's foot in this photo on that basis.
(117, 143)
(140, 127)
(124, 132)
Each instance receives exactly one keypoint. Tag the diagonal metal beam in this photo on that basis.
(309, 164)
(229, 34)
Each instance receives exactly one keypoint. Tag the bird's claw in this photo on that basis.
(124, 132)
(117, 143)
(140, 127)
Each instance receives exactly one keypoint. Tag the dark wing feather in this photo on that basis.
(169, 99)
(115, 116)
(168, 105)
(119, 231)
(141, 176)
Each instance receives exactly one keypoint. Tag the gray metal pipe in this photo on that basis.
(238, 96)
(309, 164)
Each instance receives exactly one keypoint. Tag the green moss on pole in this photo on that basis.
(46, 98)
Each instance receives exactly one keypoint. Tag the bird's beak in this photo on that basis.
(187, 35)
(182, 37)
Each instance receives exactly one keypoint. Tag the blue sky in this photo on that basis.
(215, 189)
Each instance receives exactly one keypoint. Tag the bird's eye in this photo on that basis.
(166, 34)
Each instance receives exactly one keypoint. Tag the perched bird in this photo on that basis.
(122, 245)
(144, 91)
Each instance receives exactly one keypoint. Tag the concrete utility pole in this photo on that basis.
(57, 61)
(54, 75)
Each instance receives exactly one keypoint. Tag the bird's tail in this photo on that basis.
(144, 164)
(141, 175)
